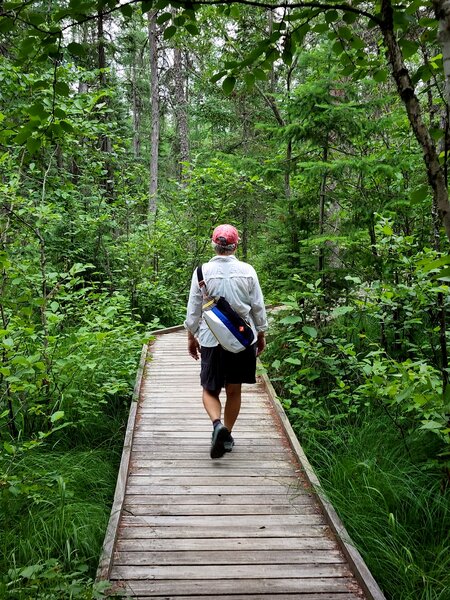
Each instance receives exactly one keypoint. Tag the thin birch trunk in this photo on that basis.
(136, 111)
(181, 114)
(155, 126)
(322, 201)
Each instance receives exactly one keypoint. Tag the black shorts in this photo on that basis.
(219, 367)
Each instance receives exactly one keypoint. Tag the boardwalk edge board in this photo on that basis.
(106, 557)
(356, 561)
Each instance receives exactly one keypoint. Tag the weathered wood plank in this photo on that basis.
(213, 510)
(229, 557)
(217, 500)
(140, 588)
(287, 545)
(239, 462)
(221, 571)
(298, 596)
(184, 436)
(227, 521)
(211, 531)
(144, 470)
(214, 479)
(173, 490)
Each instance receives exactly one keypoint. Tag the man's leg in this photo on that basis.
(232, 405)
(212, 404)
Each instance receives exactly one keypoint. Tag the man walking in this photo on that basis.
(237, 281)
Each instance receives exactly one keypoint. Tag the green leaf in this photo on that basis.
(341, 310)
(6, 25)
(192, 28)
(62, 88)
(76, 49)
(23, 135)
(66, 126)
(380, 76)
(291, 320)
(33, 144)
(311, 331)
(331, 16)
(409, 48)
(126, 10)
(163, 18)
(419, 194)
(429, 265)
(228, 84)
(320, 28)
(170, 32)
(249, 79)
(293, 361)
(260, 74)
(349, 17)
(57, 416)
(215, 78)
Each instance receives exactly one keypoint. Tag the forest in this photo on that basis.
(321, 130)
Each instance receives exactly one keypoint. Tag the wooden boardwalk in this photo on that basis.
(246, 526)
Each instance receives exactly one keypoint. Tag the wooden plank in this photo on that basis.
(217, 500)
(225, 468)
(298, 596)
(211, 531)
(143, 451)
(214, 479)
(144, 471)
(240, 462)
(139, 588)
(228, 522)
(173, 490)
(287, 545)
(214, 510)
(230, 557)
(221, 571)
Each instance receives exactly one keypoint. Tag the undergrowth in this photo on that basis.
(51, 530)
(397, 513)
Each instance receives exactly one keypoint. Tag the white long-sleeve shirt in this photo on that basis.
(238, 282)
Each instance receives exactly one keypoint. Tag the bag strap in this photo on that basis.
(201, 281)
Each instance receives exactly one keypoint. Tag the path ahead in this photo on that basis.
(246, 526)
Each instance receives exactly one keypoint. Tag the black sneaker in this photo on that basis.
(220, 434)
(229, 443)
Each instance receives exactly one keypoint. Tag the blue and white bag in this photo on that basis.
(231, 331)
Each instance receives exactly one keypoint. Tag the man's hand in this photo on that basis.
(260, 343)
(193, 346)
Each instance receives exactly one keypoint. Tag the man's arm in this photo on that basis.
(258, 312)
(260, 342)
(193, 316)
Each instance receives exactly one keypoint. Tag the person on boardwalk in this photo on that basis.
(237, 281)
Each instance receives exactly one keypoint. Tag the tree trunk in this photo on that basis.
(154, 150)
(322, 200)
(136, 111)
(105, 142)
(407, 93)
(181, 115)
(442, 12)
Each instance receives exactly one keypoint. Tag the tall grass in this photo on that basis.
(51, 533)
(396, 511)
